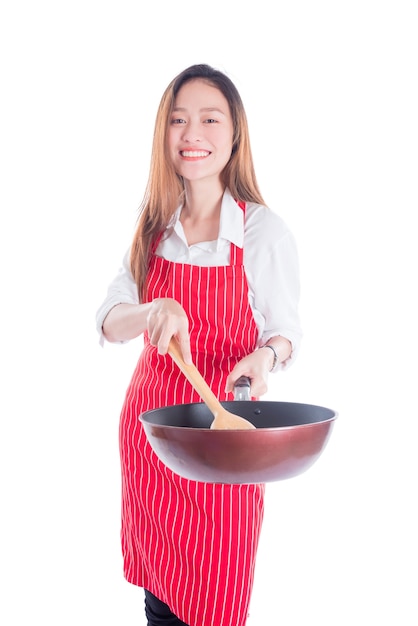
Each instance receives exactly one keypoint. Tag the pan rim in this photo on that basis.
(333, 415)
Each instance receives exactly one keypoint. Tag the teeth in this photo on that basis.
(194, 153)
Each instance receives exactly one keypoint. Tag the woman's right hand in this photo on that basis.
(167, 318)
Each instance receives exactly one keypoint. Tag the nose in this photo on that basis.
(192, 132)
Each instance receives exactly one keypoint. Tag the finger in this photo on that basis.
(154, 336)
(184, 343)
(236, 373)
(258, 387)
(163, 341)
(229, 387)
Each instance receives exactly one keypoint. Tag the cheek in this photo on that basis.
(227, 147)
(170, 140)
(173, 135)
(226, 141)
(171, 146)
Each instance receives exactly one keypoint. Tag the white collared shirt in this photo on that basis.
(270, 262)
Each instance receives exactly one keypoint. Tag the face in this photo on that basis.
(200, 131)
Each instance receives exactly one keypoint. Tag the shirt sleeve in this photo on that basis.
(122, 290)
(272, 268)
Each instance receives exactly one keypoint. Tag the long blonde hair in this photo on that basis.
(165, 187)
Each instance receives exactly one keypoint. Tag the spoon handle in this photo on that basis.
(195, 378)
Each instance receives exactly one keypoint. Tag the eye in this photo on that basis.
(210, 121)
(178, 120)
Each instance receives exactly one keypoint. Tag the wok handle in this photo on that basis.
(242, 388)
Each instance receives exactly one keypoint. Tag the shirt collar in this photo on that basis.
(231, 224)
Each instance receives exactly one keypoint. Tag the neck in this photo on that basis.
(201, 212)
(202, 201)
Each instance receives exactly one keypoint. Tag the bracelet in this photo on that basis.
(276, 358)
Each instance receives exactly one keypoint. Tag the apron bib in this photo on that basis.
(192, 544)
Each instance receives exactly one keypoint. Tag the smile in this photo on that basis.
(194, 153)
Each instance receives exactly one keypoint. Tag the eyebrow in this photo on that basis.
(203, 110)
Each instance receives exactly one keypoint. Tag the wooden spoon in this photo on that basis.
(223, 419)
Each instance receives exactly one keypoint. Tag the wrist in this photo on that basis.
(274, 355)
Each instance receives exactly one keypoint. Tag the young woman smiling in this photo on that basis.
(213, 266)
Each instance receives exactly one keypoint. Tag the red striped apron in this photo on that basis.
(191, 544)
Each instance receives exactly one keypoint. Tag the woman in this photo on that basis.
(211, 265)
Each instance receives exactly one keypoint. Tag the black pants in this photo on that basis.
(158, 613)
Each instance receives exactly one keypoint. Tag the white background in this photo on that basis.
(330, 90)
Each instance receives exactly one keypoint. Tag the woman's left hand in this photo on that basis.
(256, 366)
